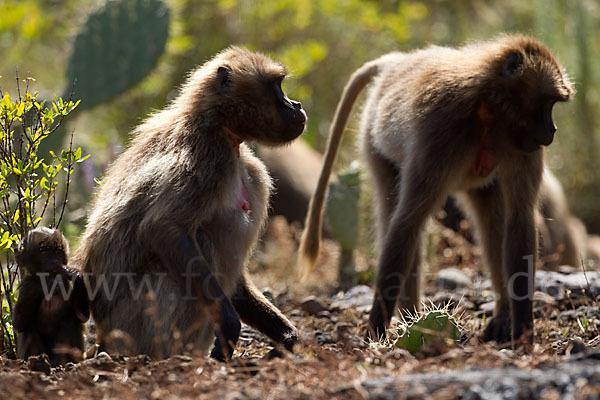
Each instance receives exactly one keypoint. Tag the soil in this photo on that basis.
(333, 360)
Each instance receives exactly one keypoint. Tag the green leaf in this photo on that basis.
(6, 103)
(83, 159)
(44, 184)
(20, 109)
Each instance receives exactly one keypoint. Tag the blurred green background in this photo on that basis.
(322, 42)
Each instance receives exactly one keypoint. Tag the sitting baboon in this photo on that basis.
(179, 212)
(52, 304)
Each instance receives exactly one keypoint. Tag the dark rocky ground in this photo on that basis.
(334, 362)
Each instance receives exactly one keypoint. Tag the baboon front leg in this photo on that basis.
(520, 191)
(520, 255)
(486, 206)
(255, 310)
(409, 300)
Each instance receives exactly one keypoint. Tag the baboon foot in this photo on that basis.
(498, 329)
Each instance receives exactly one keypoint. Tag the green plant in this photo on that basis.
(342, 219)
(28, 183)
(433, 324)
(116, 47)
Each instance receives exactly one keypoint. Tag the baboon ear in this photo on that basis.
(223, 78)
(512, 63)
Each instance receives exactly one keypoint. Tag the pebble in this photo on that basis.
(565, 377)
(313, 305)
(358, 298)
(102, 361)
(453, 278)
(555, 283)
(486, 308)
(588, 312)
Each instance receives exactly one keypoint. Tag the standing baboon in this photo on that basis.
(179, 212)
(470, 121)
(52, 304)
(562, 236)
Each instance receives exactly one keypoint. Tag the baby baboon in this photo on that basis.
(470, 121)
(52, 304)
(179, 212)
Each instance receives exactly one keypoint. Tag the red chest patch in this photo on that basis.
(485, 162)
(243, 202)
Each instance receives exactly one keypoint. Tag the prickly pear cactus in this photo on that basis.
(431, 324)
(342, 208)
(116, 47)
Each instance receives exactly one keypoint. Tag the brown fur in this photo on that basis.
(50, 321)
(181, 178)
(429, 116)
(562, 235)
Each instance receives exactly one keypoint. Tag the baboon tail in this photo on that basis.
(311, 238)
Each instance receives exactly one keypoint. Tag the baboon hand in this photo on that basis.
(288, 344)
(227, 333)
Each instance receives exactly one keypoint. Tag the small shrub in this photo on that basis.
(28, 183)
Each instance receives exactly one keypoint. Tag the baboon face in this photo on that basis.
(537, 128)
(252, 103)
(535, 84)
(42, 250)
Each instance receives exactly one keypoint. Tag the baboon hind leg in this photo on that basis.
(421, 192)
(386, 179)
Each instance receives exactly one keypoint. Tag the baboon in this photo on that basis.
(470, 121)
(52, 304)
(293, 185)
(179, 212)
(562, 236)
